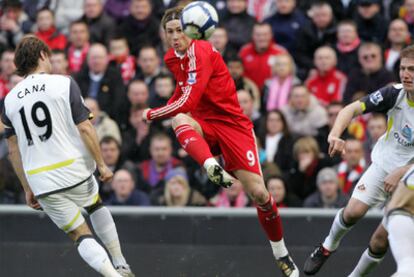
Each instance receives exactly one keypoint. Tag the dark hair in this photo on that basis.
(171, 14)
(108, 140)
(163, 75)
(234, 58)
(45, 9)
(79, 21)
(59, 52)
(348, 22)
(28, 53)
(160, 136)
(263, 126)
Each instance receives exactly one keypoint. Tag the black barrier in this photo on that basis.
(182, 243)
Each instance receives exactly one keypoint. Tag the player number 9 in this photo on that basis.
(251, 158)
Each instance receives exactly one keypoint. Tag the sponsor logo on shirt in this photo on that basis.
(192, 78)
(361, 187)
(375, 98)
(406, 137)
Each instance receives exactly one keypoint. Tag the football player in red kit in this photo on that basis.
(208, 121)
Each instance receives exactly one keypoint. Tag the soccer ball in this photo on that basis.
(199, 20)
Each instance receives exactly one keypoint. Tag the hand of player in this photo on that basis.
(145, 115)
(105, 173)
(336, 146)
(31, 200)
(392, 180)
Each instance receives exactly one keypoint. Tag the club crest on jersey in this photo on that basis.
(376, 97)
(192, 78)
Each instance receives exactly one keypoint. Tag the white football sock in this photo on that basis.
(401, 238)
(279, 248)
(366, 264)
(95, 256)
(105, 228)
(337, 232)
(209, 162)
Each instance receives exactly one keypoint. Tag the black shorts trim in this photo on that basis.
(63, 189)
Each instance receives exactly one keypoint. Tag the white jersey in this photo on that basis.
(42, 111)
(396, 147)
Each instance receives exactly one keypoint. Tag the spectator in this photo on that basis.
(246, 101)
(321, 31)
(138, 93)
(140, 27)
(275, 138)
(101, 26)
(376, 127)
(120, 56)
(11, 192)
(124, 191)
(46, 30)
(153, 171)
(160, 6)
(279, 86)
(14, 80)
(104, 84)
(238, 23)
(261, 9)
(78, 45)
(370, 77)
(286, 23)
(407, 14)
(7, 69)
(136, 140)
(256, 55)
(347, 46)
(352, 166)
(327, 84)
(233, 197)
(111, 153)
(104, 125)
(398, 38)
(148, 68)
(235, 66)
(14, 23)
(304, 114)
(372, 26)
(328, 195)
(164, 88)
(117, 9)
(66, 12)
(177, 191)
(219, 39)
(60, 64)
(278, 189)
(307, 164)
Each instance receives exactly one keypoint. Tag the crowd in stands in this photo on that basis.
(295, 64)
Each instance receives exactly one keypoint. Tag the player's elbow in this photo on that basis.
(85, 127)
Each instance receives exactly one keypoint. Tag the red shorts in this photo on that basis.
(236, 143)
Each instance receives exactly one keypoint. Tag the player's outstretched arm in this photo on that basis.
(90, 138)
(16, 160)
(336, 144)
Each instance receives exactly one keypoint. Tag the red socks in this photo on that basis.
(270, 220)
(193, 143)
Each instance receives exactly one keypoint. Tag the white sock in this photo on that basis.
(337, 232)
(365, 264)
(209, 162)
(105, 228)
(279, 248)
(95, 256)
(401, 238)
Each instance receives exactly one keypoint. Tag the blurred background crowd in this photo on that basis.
(295, 64)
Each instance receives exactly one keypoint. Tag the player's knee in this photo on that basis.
(92, 208)
(180, 119)
(352, 214)
(259, 195)
(379, 243)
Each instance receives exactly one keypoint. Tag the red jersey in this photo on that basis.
(327, 88)
(257, 66)
(204, 87)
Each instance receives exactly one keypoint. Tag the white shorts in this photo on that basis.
(64, 208)
(370, 188)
